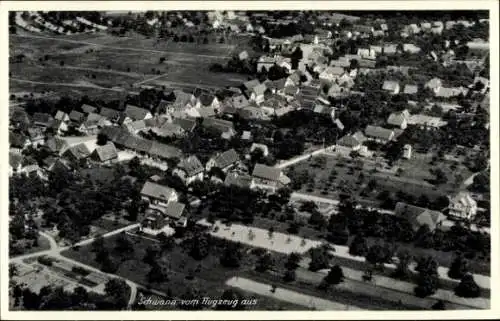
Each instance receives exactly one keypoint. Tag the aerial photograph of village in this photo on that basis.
(249, 160)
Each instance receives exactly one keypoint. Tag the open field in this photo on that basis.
(109, 62)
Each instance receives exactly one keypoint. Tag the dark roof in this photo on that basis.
(88, 109)
(266, 172)
(187, 124)
(135, 113)
(206, 99)
(164, 151)
(174, 209)
(19, 116)
(218, 124)
(106, 152)
(111, 114)
(419, 216)
(79, 151)
(227, 158)
(157, 191)
(348, 141)
(76, 116)
(238, 180)
(42, 119)
(15, 159)
(239, 101)
(191, 165)
(378, 132)
(17, 139)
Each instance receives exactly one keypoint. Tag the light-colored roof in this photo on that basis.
(238, 180)
(433, 83)
(464, 198)
(88, 109)
(390, 85)
(410, 89)
(348, 141)
(396, 119)
(259, 89)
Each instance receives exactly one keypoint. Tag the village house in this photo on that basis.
(411, 48)
(76, 117)
(62, 116)
(257, 93)
(77, 152)
(239, 101)
(444, 92)
(276, 105)
(410, 89)
(434, 84)
(244, 54)
(348, 144)
(399, 119)
(251, 113)
(223, 161)
(169, 130)
(15, 163)
(111, 114)
(42, 120)
(379, 134)
(437, 27)
(375, 50)
(390, 49)
(224, 127)
(36, 136)
(330, 74)
(239, 180)
(265, 63)
(189, 170)
(136, 113)
(18, 141)
(87, 109)
(485, 84)
(157, 194)
(59, 127)
(419, 216)
(391, 86)
(462, 206)
(207, 100)
(105, 154)
(342, 62)
(187, 124)
(269, 178)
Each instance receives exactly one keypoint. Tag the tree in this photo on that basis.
(124, 245)
(319, 259)
(378, 254)
(264, 263)
(427, 265)
(358, 246)
(158, 272)
(200, 246)
(98, 243)
(459, 268)
(439, 305)
(102, 139)
(468, 288)
(109, 265)
(426, 285)
(166, 242)
(293, 261)
(231, 255)
(334, 276)
(117, 290)
(402, 271)
(289, 276)
(152, 254)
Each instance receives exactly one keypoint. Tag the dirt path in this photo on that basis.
(121, 48)
(288, 295)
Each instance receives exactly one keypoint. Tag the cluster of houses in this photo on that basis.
(38, 22)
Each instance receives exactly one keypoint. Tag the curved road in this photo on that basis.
(55, 251)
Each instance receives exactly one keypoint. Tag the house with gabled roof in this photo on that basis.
(391, 86)
(379, 134)
(76, 116)
(347, 144)
(257, 93)
(399, 119)
(411, 48)
(105, 154)
(434, 84)
(262, 147)
(77, 152)
(187, 124)
(218, 125)
(87, 109)
(189, 170)
(462, 206)
(157, 194)
(223, 161)
(268, 178)
(62, 116)
(410, 90)
(18, 140)
(137, 113)
(330, 74)
(111, 114)
(239, 180)
(36, 136)
(419, 216)
(42, 120)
